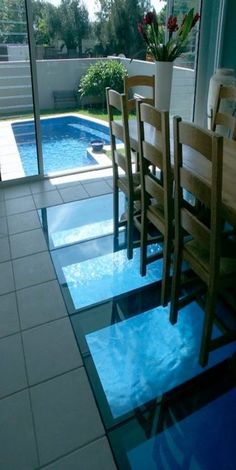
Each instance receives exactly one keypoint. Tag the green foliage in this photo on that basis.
(46, 22)
(13, 22)
(74, 21)
(116, 26)
(101, 75)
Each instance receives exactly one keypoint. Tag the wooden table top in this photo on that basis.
(201, 167)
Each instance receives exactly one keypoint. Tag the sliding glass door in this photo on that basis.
(185, 70)
(18, 144)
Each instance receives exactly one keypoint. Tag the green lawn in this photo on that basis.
(90, 112)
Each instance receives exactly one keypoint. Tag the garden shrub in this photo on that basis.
(100, 75)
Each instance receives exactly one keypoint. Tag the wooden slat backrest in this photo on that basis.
(190, 137)
(210, 192)
(154, 189)
(228, 121)
(119, 129)
(156, 153)
(131, 82)
(223, 117)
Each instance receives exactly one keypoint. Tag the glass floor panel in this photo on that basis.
(143, 357)
(79, 220)
(195, 430)
(134, 357)
(100, 278)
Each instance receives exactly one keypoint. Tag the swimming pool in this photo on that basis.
(64, 143)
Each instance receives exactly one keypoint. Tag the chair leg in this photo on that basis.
(207, 328)
(175, 290)
(143, 245)
(165, 287)
(116, 212)
(130, 229)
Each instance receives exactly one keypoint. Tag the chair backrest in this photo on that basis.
(225, 106)
(154, 151)
(119, 132)
(132, 83)
(207, 148)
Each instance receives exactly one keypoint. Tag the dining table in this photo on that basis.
(200, 166)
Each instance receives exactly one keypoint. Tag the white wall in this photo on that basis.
(20, 52)
(182, 94)
(56, 75)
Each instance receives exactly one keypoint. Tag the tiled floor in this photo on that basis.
(114, 372)
(48, 415)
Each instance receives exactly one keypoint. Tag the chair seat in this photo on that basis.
(155, 213)
(123, 184)
(194, 251)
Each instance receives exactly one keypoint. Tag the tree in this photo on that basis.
(74, 23)
(116, 25)
(45, 21)
(13, 22)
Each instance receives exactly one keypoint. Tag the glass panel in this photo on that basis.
(164, 358)
(184, 76)
(17, 124)
(67, 140)
(194, 430)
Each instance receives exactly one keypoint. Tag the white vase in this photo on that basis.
(163, 84)
(220, 77)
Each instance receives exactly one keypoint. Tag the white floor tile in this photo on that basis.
(21, 204)
(40, 304)
(65, 414)
(6, 278)
(50, 350)
(73, 193)
(17, 191)
(3, 227)
(50, 198)
(9, 321)
(18, 223)
(27, 243)
(12, 366)
(97, 188)
(18, 447)
(2, 209)
(94, 456)
(41, 186)
(33, 269)
(4, 249)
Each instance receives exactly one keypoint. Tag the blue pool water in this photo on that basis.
(203, 440)
(64, 143)
(148, 356)
(103, 277)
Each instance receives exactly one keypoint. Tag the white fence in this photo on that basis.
(56, 75)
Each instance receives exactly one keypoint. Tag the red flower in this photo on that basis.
(172, 24)
(140, 28)
(149, 17)
(195, 19)
(152, 34)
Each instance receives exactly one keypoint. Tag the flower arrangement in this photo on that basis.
(152, 33)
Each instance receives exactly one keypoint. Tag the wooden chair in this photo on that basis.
(145, 85)
(124, 179)
(156, 187)
(222, 113)
(135, 82)
(203, 248)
